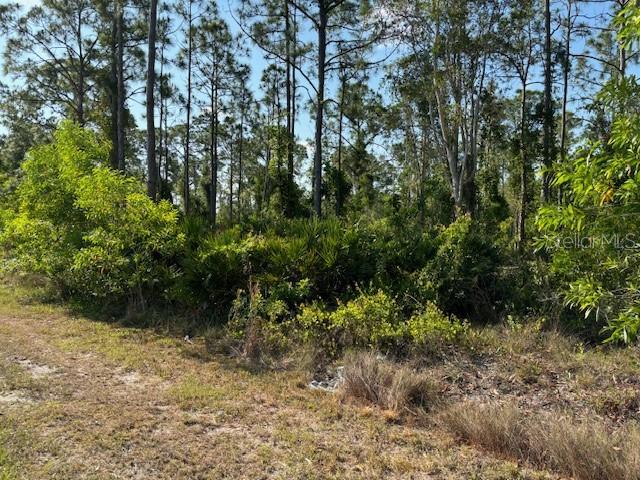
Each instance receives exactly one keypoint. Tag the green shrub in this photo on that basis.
(432, 327)
(336, 255)
(463, 276)
(375, 321)
(130, 237)
(216, 267)
(90, 229)
(370, 320)
(592, 239)
(258, 326)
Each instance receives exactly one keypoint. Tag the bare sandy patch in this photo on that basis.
(14, 398)
(35, 370)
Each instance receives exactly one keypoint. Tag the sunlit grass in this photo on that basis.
(194, 393)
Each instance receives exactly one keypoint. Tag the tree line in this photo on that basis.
(400, 95)
(457, 144)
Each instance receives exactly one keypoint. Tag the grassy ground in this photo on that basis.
(81, 399)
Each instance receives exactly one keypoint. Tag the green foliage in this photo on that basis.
(431, 327)
(335, 255)
(593, 239)
(628, 23)
(258, 325)
(97, 235)
(90, 229)
(463, 276)
(370, 320)
(374, 320)
(215, 266)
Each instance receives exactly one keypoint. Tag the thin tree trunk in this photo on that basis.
(522, 213)
(81, 72)
(160, 122)
(548, 112)
(565, 96)
(287, 34)
(152, 168)
(240, 151)
(113, 90)
(317, 161)
(622, 52)
(120, 87)
(213, 191)
(340, 122)
(231, 183)
(188, 125)
(265, 187)
(450, 144)
(293, 97)
(278, 113)
(469, 193)
(166, 142)
(421, 177)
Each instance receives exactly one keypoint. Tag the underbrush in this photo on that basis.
(261, 327)
(565, 438)
(386, 283)
(386, 384)
(100, 240)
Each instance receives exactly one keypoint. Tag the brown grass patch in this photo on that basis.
(388, 385)
(584, 450)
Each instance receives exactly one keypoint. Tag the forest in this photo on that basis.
(389, 185)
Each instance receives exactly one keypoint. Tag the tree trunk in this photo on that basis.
(469, 192)
(231, 183)
(548, 108)
(161, 119)
(290, 172)
(317, 161)
(522, 212)
(187, 140)
(343, 84)
(293, 99)
(166, 144)
(450, 144)
(240, 151)
(120, 86)
(113, 90)
(152, 168)
(265, 186)
(422, 173)
(565, 96)
(213, 190)
(81, 72)
(622, 52)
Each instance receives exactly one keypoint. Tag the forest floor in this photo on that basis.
(83, 399)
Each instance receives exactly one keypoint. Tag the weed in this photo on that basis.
(390, 386)
(584, 450)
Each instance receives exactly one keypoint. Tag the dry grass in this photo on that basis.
(390, 386)
(192, 393)
(125, 403)
(583, 450)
